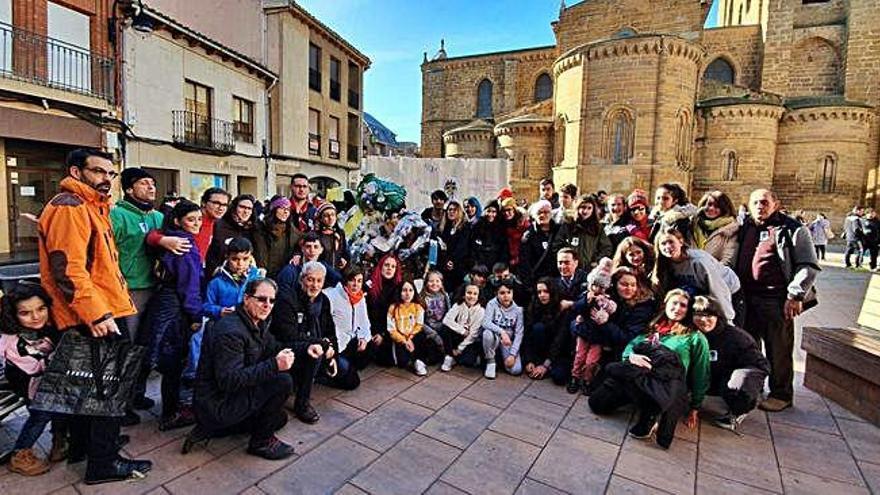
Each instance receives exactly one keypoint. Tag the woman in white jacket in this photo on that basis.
(461, 330)
(349, 309)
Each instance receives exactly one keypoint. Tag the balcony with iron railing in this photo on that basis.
(32, 58)
(201, 131)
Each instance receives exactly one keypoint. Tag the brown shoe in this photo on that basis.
(772, 404)
(59, 448)
(26, 463)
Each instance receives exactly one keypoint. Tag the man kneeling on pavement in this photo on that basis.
(243, 378)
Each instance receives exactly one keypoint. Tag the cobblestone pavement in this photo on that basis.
(459, 433)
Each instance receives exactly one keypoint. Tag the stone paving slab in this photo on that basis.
(458, 433)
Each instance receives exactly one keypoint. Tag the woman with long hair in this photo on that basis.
(659, 368)
(715, 227)
(619, 224)
(672, 207)
(276, 237)
(635, 253)
(383, 288)
(489, 238)
(516, 223)
(27, 338)
(545, 330)
(584, 233)
(454, 258)
(238, 221)
(693, 270)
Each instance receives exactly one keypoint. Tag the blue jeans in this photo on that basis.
(32, 429)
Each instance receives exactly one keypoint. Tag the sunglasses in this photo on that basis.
(637, 208)
(264, 299)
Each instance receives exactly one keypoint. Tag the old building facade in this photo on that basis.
(634, 94)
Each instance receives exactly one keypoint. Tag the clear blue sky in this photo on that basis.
(394, 33)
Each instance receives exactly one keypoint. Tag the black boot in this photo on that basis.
(119, 470)
(574, 385)
(645, 426)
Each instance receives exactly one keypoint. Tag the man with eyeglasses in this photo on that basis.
(302, 211)
(215, 201)
(243, 382)
(79, 268)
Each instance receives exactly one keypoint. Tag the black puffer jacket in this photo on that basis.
(489, 243)
(732, 348)
(664, 383)
(537, 254)
(236, 357)
(294, 325)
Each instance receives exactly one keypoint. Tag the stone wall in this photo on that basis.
(806, 137)
(749, 130)
(594, 20)
(740, 46)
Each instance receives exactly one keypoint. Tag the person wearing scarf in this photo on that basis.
(473, 210)
(335, 253)
(637, 203)
(348, 305)
(275, 238)
(238, 221)
(715, 227)
(584, 234)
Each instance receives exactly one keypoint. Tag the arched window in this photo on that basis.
(719, 70)
(829, 174)
(683, 139)
(524, 166)
(543, 87)
(729, 164)
(619, 137)
(484, 99)
(730, 13)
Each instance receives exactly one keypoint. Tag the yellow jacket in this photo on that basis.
(405, 321)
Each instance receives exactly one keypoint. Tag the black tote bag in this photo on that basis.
(88, 376)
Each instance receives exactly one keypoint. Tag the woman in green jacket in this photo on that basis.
(652, 378)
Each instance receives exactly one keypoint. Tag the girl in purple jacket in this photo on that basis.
(175, 313)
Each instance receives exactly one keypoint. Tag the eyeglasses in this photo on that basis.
(245, 207)
(219, 204)
(110, 174)
(264, 299)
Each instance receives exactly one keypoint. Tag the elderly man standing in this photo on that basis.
(777, 266)
(79, 268)
(303, 321)
(242, 381)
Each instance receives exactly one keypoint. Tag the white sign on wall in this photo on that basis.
(459, 177)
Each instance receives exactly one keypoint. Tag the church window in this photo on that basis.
(484, 99)
(559, 140)
(740, 14)
(543, 87)
(730, 164)
(619, 137)
(719, 70)
(829, 174)
(683, 139)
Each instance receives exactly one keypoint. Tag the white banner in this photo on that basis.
(461, 178)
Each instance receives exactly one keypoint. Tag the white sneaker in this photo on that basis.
(448, 363)
(421, 369)
(490, 371)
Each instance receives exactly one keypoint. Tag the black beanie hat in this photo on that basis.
(131, 175)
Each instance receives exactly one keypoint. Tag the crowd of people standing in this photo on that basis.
(242, 305)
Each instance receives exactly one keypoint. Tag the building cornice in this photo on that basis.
(545, 53)
(744, 110)
(526, 124)
(861, 115)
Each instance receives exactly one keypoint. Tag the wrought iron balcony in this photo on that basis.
(37, 59)
(201, 131)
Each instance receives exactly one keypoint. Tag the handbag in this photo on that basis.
(87, 376)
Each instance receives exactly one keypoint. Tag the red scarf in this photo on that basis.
(354, 298)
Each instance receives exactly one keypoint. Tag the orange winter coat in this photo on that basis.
(79, 263)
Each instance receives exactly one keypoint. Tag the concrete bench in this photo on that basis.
(843, 364)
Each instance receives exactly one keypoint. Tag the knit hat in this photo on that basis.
(601, 275)
(492, 204)
(508, 203)
(638, 197)
(505, 193)
(131, 175)
(324, 207)
(281, 202)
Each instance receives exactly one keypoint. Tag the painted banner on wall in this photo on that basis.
(459, 177)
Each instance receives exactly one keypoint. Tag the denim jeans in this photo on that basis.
(32, 429)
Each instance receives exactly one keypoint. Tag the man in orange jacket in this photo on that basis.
(79, 267)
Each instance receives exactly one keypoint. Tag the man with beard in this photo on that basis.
(79, 268)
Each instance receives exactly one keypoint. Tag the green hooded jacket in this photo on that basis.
(130, 227)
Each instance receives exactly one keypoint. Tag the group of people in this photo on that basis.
(242, 306)
(861, 231)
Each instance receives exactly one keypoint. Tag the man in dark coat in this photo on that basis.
(302, 320)
(242, 381)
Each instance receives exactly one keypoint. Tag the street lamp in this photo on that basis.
(131, 9)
